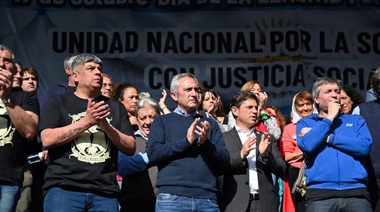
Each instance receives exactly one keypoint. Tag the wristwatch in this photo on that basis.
(9, 102)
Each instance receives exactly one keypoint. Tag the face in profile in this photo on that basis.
(17, 79)
(345, 103)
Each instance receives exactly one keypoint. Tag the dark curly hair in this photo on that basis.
(354, 95)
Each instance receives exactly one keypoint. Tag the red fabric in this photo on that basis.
(287, 202)
(288, 144)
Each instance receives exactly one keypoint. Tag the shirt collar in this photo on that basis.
(241, 130)
(138, 132)
(182, 113)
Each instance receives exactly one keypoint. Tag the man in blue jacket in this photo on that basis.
(189, 151)
(336, 147)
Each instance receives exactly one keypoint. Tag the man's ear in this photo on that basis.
(316, 100)
(75, 76)
(234, 110)
(174, 96)
(69, 72)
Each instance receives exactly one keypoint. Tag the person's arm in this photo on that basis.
(25, 122)
(358, 145)
(214, 148)
(57, 136)
(317, 131)
(123, 142)
(288, 145)
(132, 164)
(313, 132)
(270, 156)
(237, 156)
(162, 102)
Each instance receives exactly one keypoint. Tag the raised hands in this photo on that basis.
(263, 98)
(248, 145)
(264, 144)
(333, 109)
(162, 102)
(6, 80)
(97, 112)
(201, 131)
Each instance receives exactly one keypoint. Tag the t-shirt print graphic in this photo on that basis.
(92, 146)
(6, 126)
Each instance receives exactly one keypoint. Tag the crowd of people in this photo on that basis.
(109, 147)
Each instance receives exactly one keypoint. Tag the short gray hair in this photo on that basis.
(147, 101)
(175, 81)
(81, 59)
(106, 75)
(68, 61)
(3, 48)
(321, 81)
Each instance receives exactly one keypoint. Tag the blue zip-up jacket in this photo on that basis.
(338, 164)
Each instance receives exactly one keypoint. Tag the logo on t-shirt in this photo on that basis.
(92, 146)
(6, 127)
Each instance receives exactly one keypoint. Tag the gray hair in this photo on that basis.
(175, 81)
(321, 81)
(106, 75)
(3, 48)
(147, 101)
(81, 59)
(68, 61)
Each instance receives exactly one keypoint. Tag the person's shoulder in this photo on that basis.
(289, 126)
(351, 117)
(312, 116)
(55, 89)
(20, 94)
(230, 131)
(58, 86)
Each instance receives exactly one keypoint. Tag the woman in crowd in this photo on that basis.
(349, 99)
(210, 103)
(128, 95)
(212, 107)
(302, 106)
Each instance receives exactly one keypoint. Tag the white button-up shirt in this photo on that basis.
(251, 158)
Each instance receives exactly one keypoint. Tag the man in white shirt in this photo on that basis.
(254, 156)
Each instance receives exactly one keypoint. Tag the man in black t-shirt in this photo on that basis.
(83, 132)
(19, 113)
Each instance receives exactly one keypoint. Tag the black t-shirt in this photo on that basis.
(89, 162)
(13, 147)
